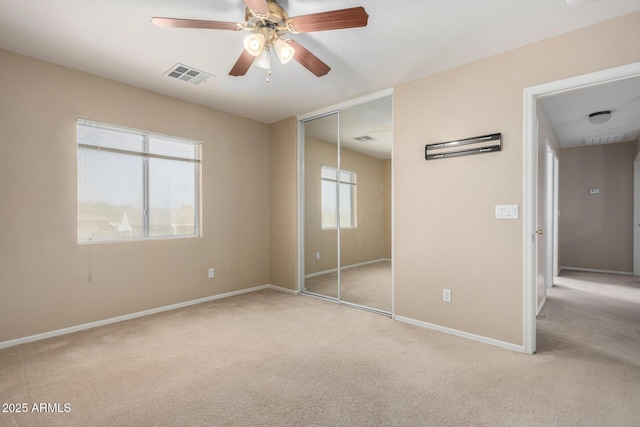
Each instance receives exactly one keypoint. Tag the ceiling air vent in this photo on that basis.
(607, 139)
(188, 74)
(364, 138)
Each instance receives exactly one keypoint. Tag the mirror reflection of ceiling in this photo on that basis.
(569, 113)
(366, 128)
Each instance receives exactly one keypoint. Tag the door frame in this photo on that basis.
(551, 220)
(556, 216)
(300, 179)
(636, 215)
(530, 179)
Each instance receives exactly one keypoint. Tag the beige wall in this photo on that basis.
(596, 231)
(317, 153)
(43, 271)
(283, 210)
(446, 234)
(366, 241)
(361, 244)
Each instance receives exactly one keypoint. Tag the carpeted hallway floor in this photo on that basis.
(274, 359)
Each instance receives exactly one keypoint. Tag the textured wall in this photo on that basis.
(596, 231)
(43, 271)
(446, 234)
(283, 186)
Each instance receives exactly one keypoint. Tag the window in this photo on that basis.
(336, 188)
(135, 185)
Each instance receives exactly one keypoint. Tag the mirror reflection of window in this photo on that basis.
(347, 197)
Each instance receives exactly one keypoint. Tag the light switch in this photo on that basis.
(594, 191)
(506, 211)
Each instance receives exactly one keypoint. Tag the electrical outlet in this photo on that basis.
(446, 295)
(211, 273)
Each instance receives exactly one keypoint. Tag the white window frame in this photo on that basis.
(145, 154)
(340, 183)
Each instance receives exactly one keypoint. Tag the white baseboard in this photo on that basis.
(90, 325)
(345, 267)
(280, 289)
(593, 270)
(461, 334)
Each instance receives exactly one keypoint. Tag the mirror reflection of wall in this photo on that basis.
(349, 182)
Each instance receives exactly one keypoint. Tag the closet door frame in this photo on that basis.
(335, 109)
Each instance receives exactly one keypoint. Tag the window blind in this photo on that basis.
(101, 136)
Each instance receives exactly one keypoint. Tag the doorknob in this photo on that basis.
(539, 232)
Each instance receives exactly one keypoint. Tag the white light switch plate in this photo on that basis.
(506, 211)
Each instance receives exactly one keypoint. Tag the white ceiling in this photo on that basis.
(372, 119)
(403, 41)
(569, 113)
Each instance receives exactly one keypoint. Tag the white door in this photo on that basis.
(541, 227)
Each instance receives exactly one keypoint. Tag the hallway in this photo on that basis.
(592, 315)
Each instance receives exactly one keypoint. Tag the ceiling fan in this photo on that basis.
(268, 22)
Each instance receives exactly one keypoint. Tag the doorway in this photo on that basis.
(531, 174)
(346, 203)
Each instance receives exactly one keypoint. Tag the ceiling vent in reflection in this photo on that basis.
(188, 74)
(607, 139)
(364, 138)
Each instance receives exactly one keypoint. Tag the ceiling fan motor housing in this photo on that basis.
(276, 19)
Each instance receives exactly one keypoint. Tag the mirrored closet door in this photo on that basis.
(347, 205)
(321, 207)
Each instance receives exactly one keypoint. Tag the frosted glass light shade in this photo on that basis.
(284, 51)
(254, 44)
(263, 61)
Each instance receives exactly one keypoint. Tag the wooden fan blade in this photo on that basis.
(308, 60)
(259, 6)
(333, 20)
(242, 65)
(195, 23)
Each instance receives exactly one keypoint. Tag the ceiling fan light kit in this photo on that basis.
(268, 22)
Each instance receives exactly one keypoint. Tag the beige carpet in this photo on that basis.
(274, 359)
(366, 285)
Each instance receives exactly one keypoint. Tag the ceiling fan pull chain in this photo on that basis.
(268, 76)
